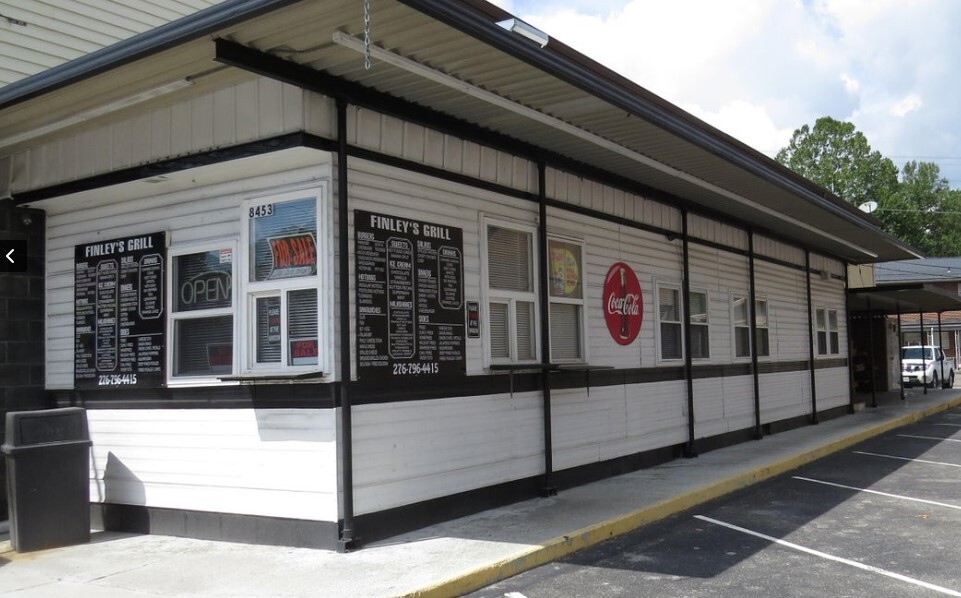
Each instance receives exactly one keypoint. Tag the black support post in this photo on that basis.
(851, 364)
(874, 394)
(347, 540)
(811, 339)
(900, 363)
(547, 487)
(924, 361)
(758, 431)
(690, 451)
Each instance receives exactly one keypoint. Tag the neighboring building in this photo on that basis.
(36, 35)
(940, 272)
(305, 301)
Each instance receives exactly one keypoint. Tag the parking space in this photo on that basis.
(880, 519)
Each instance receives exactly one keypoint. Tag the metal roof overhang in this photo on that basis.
(905, 298)
(580, 110)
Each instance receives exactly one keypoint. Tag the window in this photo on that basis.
(828, 339)
(761, 335)
(669, 317)
(511, 296)
(742, 327)
(282, 283)
(700, 338)
(202, 318)
(566, 291)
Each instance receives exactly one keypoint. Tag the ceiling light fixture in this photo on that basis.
(525, 30)
(86, 115)
(431, 74)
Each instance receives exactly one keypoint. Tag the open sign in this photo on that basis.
(205, 291)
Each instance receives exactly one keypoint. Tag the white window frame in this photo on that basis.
(173, 317)
(251, 290)
(751, 339)
(581, 319)
(508, 297)
(706, 324)
(682, 309)
(825, 350)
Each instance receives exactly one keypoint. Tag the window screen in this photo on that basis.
(302, 327)
(203, 346)
(669, 304)
(267, 341)
(500, 331)
(509, 259)
(565, 331)
(700, 331)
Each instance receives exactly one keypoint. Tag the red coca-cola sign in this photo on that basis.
(623, 303)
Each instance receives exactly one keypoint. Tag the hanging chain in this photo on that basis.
(367, 35)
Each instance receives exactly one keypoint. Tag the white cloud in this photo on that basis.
(908, 104)
(851, 84)
(759, 68)
(749, 123)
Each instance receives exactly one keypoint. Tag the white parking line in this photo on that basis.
(906, 459)
(902, 497)
(831, 557)
(948, 425)
(929, 437)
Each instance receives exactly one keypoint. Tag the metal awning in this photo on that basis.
(905, 298)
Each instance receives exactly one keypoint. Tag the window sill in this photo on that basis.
(265, 378)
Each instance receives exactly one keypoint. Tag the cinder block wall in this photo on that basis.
(22, 327)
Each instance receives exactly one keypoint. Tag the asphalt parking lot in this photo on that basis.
(881, 519)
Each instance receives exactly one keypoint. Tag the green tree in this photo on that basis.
(924, 211)
(837, 156)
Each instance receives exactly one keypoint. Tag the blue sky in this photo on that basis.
(759, 69)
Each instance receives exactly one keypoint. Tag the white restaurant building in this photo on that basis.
(305, 301)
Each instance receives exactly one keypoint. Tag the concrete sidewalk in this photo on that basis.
(447, 559)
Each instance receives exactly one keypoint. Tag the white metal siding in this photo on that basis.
(270, 462)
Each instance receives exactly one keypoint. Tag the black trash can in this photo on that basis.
(48, 476)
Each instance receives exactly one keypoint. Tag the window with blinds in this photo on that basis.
(202, 317)
(511, 294)
(669, 318)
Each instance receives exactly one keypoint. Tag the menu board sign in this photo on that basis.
(409, 297)
(119, 312)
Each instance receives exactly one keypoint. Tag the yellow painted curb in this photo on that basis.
(585, 537)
